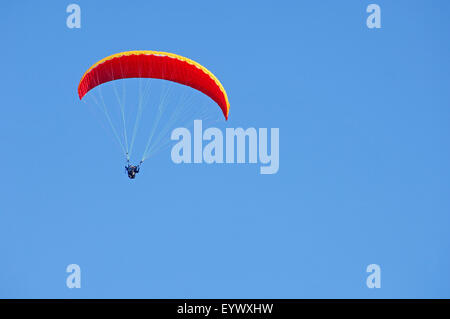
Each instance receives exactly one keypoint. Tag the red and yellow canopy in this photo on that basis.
(158, 65)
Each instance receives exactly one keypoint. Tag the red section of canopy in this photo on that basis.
(158, 67)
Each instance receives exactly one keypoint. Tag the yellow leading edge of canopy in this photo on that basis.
(172, 55)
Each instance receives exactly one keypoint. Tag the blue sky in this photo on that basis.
(364, 154)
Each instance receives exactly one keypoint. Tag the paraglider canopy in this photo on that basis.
(158, 65)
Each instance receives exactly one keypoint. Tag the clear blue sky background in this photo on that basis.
(364, 154)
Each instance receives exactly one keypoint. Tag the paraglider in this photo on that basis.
(132, 170)
(151, 65)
